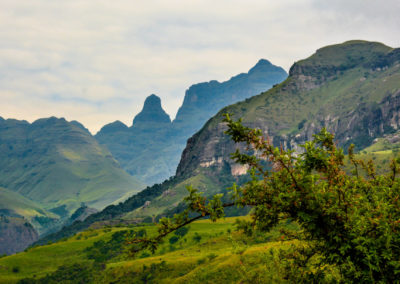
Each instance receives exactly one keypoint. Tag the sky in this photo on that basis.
(97, 61)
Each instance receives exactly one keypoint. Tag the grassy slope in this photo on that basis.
(175, 195)
(381, 152)
(284, 111)
(22, 206)
(282, 107)
(220, 256)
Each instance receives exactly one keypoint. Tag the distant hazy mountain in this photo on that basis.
(59, 165)
(150, 149)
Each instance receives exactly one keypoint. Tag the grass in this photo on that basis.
(221, 255)
(176, 195)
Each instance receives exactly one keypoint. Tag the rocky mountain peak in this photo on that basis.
(152, 112)
(113, 127)
(261, 65)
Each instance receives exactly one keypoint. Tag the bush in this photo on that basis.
(173, 240)
(181, 232)
(197, 237)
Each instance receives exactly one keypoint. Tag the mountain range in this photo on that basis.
(352, 89)
(48, 169)
(150, 149)
(59, 173)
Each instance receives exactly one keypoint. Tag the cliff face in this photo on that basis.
(353, 89)
(151, 148)
(16, 234)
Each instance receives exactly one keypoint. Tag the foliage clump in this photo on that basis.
(101, 251)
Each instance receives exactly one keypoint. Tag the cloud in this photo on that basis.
(96, 61)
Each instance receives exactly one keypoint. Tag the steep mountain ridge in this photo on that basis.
(204, 100)
(150, 149)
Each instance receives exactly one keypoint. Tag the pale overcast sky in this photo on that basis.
(96, 61)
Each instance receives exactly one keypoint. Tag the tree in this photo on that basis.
(351, 221)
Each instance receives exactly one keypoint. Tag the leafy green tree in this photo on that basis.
(349, 221)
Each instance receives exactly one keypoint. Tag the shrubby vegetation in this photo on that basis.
(75, 273)
(101, 251)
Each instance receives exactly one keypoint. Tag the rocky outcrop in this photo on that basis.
(16, 234)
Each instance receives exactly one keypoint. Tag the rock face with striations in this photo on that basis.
(151, 148)
(15, 234)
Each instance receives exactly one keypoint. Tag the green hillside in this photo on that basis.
(59, 164)
(208, 253)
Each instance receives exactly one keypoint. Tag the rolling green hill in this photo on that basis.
(59, 164)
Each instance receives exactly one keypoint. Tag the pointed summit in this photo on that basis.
(262, 64)
(152, 112)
